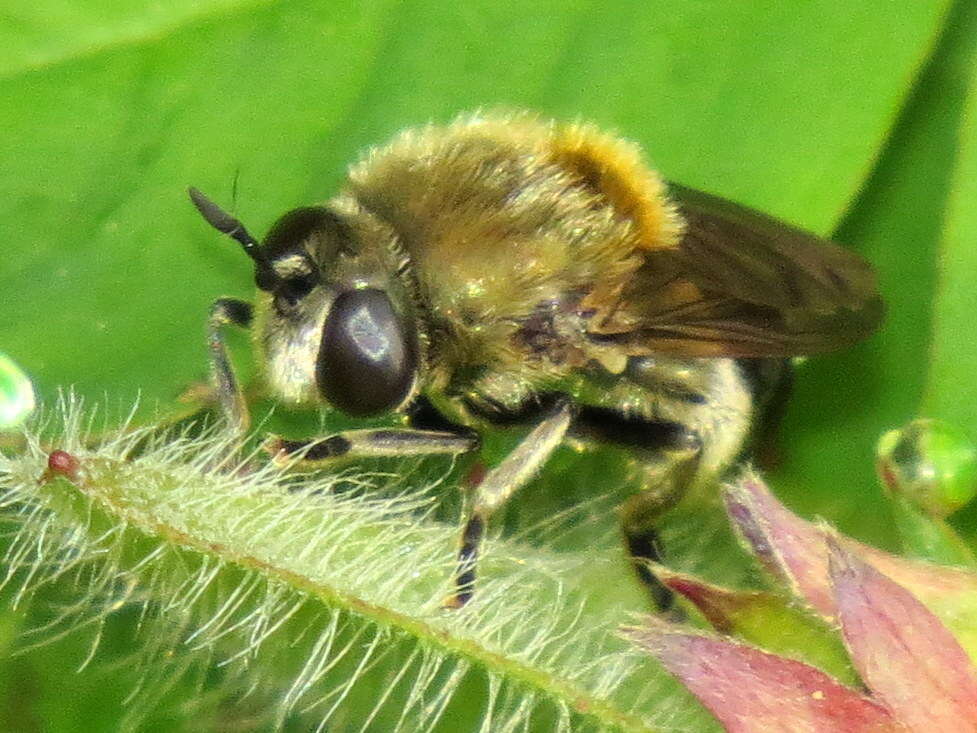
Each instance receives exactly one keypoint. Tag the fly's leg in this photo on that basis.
(429, 434)
(369, 443)
(514, 472)
(224, 312)
(666, 476)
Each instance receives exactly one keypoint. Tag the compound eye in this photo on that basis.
(367, 359)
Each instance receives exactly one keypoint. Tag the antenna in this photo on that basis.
(227, 224)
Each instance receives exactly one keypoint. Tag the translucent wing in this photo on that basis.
(741, 284)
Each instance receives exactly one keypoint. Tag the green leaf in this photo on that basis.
(927, 537)
(35, 35)
(110, 111)
(333, 586)
(951, 390)
(843, 402)
(782, 106)
(16, 394)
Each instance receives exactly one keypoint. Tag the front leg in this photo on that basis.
(369, 443)
(228, 311)
(515, 471)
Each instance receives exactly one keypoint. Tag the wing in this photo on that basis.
(741, 284)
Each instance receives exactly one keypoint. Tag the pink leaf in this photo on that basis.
(794, 550)
(770, 621)
(902, 651)
(751, 691)
(786, 545)
(719, 605)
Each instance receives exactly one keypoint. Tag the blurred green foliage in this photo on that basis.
(840, 117)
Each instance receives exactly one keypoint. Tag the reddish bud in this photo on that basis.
(62, 463)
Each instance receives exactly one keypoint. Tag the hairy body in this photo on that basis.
(502, 268)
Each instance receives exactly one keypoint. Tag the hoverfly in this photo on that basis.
(504, 267)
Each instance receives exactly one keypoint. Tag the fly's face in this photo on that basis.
(334, 323)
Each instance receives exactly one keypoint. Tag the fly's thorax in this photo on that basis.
(496, 224)
(500, 366)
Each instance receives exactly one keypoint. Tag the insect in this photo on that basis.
(504, 268)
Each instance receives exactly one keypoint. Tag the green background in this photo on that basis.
(851, 119)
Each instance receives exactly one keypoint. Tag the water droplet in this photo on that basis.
(16, 394)
(931, 463)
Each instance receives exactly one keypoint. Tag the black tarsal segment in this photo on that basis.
(467, 557)
(644, 546)
(331, 447)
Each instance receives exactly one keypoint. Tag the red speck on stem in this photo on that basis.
(476, 474)
(62, 463)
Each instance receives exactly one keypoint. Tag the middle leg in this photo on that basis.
(498, 486)
(665, 458)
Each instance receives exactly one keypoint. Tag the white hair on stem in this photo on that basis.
(301, 594)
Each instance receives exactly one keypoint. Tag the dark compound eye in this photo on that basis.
(367, 359)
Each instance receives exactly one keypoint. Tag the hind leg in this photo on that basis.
(665, 458)
(665, 478)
